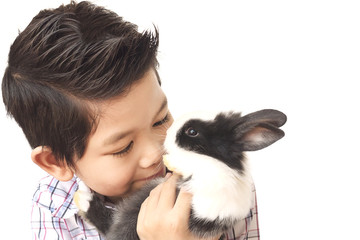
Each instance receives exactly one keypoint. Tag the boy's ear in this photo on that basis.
(44, 158)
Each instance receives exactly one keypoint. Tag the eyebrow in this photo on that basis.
(118, 136)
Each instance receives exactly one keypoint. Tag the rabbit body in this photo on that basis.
(208, 152)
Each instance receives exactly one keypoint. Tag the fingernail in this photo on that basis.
(168, 175)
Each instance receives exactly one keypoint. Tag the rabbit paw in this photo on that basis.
(83, 197)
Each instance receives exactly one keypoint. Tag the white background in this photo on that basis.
(301, 57)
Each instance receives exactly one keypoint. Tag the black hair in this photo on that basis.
(65, 59)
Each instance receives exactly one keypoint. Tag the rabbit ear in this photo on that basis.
(260, 129)
(269, 116)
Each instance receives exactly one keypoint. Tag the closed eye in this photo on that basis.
(125, 150)
(164, 120)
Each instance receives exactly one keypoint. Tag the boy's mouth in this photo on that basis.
(160, 173)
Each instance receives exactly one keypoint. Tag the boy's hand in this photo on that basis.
(163, 216)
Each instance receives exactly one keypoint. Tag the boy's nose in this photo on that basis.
(152, 155)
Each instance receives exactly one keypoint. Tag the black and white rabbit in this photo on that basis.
(208, 152)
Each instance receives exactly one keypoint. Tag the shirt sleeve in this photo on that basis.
(45, 227)
(247, 228)
(54, 216)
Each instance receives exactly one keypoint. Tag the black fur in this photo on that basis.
(224, 138)
(99, 214)
(122, 220)
(215, 139)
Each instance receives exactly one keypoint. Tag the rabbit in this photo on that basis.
(207, 150)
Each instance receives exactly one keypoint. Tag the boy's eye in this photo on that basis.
(125, 150)
(164, 120)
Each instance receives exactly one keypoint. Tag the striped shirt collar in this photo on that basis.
(57, 196)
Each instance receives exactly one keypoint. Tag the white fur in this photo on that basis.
(171, 133)
(83, 197)
(218, 191)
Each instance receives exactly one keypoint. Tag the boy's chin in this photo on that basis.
(134, 188)
(137, 185)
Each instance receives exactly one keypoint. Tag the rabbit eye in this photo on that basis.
(191, 132)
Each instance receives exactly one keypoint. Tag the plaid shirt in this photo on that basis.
(54, 215)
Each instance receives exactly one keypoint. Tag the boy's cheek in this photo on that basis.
(110, 186)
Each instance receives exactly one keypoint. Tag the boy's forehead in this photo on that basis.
(136, 92)
(141, 103)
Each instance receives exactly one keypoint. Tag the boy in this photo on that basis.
(83, 85)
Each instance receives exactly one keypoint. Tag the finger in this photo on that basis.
(142, 212)
(183, 204)
(167, 176)
(168, 193)
(154, 197)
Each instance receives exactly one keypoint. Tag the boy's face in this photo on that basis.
(127, 146)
